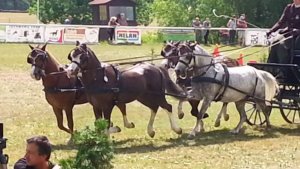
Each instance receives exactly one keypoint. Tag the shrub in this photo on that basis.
(95, 150)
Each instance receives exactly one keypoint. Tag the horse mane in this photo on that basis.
(53, 58)
(205, 52)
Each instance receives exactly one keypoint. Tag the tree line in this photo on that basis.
(164, 12)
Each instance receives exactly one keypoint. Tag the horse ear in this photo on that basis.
(31, 47)
(193, 45)
(177, 43)
(84, 47)
(44, 47)
(77, 43)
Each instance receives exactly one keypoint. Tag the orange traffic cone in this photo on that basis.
(241, 60)
(216, 52)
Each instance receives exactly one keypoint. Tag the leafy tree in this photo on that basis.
(181, 12)
(144, 11)
(57, 11)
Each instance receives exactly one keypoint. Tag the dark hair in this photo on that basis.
(43, 144)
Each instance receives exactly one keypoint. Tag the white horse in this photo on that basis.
(209, 82)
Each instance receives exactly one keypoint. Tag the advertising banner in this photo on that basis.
(130, 36)
(256, 37)
(54, 35)
(83, 35)
(25, 33)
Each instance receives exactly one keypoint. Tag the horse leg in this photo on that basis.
(225, 114)
(150, 130)
(59, 117)
(240, 106)
(196, 128)
(199, 127)
(266, 110)
(179, 108)
(122, 108)
(107, 110)
(69, 114)
(223, 111)
(174, 126)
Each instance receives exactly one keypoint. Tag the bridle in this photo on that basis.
(191, 56)
(41, 53)
(79, 55)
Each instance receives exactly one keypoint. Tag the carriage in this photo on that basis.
(288, 99)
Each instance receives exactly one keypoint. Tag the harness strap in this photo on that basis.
(225, 84)
(256, 81)
(199, 79)
(117, 89)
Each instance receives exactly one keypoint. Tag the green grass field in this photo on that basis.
(25, 113)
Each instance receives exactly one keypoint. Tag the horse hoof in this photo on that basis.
(181, 115)
(179, 131)
(234, 132)
(217, 124)
(151, 134)
(226, 117)
(205, 115)
(115, 129)
(111, 124)
(191, 136)
(132, 125)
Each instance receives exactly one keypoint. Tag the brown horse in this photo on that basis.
(170, 52)
(106, 86)
(56, 85)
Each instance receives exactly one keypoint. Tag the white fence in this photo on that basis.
(65, 34)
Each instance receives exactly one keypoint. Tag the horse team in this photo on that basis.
(200, 77)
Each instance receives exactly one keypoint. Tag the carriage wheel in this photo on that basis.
(254, 116)
(290, 111)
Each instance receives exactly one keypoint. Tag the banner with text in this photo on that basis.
(54, 35)
(256, 37)
(133, 36)
(81, 34)
(25, 33)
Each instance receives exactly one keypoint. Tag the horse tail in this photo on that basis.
(170, 86)
(271, 87)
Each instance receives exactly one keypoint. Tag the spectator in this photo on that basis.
(111, 31)
(37, 155)
(232, 32)
(68, 20)
(197, 25)
(224, 34)
(241, 23)
(122, 20)
(206, 25)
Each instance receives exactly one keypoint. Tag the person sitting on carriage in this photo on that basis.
(290, 23)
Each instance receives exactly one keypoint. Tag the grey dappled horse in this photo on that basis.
(252, 82)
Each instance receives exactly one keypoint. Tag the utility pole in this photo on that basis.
(38, 11)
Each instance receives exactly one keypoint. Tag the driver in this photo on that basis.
(290, 22)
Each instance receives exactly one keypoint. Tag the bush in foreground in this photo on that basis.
(95, 150)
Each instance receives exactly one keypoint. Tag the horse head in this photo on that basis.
(185, 57)
(37, 58)
(169, 51)
(82, 59)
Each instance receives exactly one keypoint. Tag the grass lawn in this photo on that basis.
(25, 113)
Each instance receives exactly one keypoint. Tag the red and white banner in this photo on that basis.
(84, 35)
(133, 36)
(54, 35)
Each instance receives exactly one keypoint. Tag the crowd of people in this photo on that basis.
(228, 36)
